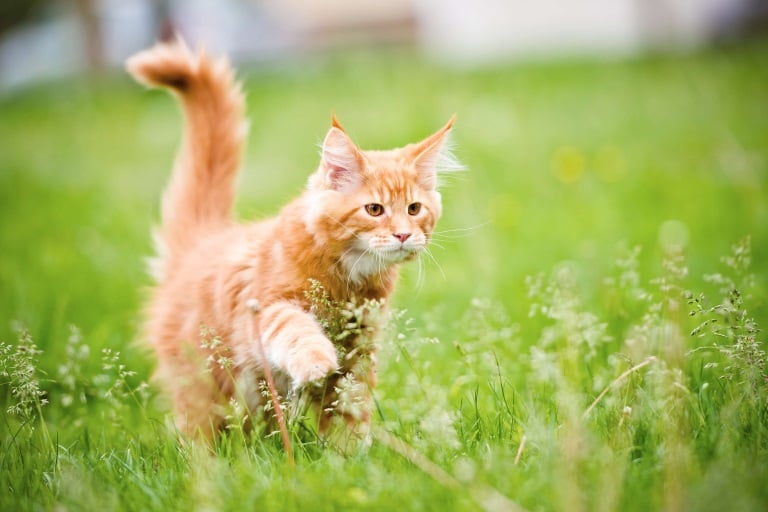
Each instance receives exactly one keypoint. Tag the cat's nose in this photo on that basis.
(401, 236)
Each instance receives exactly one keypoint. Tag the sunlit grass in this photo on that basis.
(581, 346)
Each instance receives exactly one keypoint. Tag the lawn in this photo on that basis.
(587, 336)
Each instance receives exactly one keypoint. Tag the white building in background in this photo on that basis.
(488, 30)
(462, 32)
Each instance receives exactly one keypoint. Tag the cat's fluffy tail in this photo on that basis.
(201, 191)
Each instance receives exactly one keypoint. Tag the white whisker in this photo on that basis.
(381, 265)
(340, 262)
(419, 275)
(428, 253)
(349, 230)
(458, 232)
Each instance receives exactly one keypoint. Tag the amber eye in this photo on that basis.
(374, 209)
(414, 208)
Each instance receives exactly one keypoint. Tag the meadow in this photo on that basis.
(586, 336)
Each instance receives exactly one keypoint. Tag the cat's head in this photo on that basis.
(375, 208)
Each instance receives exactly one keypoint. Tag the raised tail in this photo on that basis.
(200, 195)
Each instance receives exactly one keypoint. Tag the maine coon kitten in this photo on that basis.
(363, 213)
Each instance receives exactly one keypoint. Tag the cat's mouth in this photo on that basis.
(399, 254)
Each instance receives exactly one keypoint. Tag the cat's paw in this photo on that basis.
(315, 360)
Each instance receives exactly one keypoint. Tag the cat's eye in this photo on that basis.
(414, 208)
(374, 209)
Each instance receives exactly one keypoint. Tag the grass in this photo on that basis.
(589, 341)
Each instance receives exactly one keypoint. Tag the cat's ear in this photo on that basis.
(341, 162)
(428, 154)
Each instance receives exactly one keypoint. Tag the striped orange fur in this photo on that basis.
(362, 214)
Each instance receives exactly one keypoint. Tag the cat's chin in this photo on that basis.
(399, 255)
(361, 264)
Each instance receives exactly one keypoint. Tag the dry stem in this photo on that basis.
(487, 498)
(253, 305)
(648, 360)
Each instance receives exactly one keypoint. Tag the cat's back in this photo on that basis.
(206, 284)
(215, 255)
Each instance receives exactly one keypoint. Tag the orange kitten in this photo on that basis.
(363, 214)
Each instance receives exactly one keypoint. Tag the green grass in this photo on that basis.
(540, 301)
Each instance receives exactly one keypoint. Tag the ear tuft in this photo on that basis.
(335, 122)
(433, 154)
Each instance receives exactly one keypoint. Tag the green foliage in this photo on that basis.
(627, 372)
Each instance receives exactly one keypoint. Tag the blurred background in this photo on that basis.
(50, 38)
(588, 127)
(602, 139)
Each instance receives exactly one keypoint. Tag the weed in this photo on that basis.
(19, 368)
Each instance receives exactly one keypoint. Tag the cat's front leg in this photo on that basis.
(295, 343)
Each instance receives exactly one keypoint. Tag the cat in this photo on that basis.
(362, 215)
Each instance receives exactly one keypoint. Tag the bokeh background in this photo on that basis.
(49, 38)
(588, 128)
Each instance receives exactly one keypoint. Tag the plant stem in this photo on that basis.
(648, 360)
(253, 305)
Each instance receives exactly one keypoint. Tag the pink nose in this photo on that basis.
(401, 236)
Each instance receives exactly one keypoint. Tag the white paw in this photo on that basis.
(314, 360)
